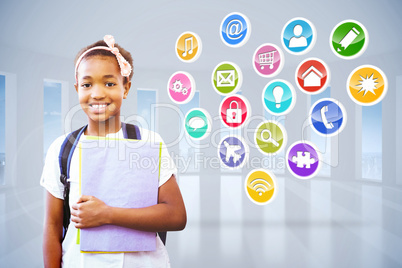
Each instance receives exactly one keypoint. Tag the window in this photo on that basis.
(323, 143)
(145, 99)
(2, 128)
(231, 192)
(190, 189)
(398, 118)
(189, 148)
(52, 123)
(231, 214)
(8, 127)
(372, 142)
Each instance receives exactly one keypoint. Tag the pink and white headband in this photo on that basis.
(125, 67)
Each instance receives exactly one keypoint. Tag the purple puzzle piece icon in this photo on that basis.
(303, 160)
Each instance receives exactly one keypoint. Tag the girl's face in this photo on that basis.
(100, 88)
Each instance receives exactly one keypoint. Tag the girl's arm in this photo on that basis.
(53, 231)
(168, 215)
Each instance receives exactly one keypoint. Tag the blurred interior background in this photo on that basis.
(349, 215)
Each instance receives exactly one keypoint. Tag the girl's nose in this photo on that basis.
(97, 92)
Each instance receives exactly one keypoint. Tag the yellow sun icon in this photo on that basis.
(367, 85)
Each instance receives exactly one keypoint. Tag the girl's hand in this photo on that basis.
(89, 212)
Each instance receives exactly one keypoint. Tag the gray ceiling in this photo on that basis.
(149, 28)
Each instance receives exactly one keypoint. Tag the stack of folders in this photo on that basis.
(122, 173)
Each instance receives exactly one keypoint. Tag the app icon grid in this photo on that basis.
(348, 40)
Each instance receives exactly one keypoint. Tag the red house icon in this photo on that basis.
(312, 77)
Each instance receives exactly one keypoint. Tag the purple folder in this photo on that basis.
(122, 173)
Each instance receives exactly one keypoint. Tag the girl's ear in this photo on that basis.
(76, 87)
(127, 87)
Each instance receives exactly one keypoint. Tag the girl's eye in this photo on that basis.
(86, 85)
(110, 84)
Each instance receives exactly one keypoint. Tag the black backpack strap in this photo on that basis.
(162, 236)
(133, 132)
(66, 152)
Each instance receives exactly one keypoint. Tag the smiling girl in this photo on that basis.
(103, 79)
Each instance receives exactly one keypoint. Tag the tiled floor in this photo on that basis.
(316, 223)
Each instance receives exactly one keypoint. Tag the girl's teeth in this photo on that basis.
(99, 106)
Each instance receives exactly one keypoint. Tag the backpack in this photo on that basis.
(66, 152)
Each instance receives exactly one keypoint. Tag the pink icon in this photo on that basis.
(268, 60)
(181, 87)
(234, 111)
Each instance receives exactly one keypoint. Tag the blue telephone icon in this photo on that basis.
(327, 124)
